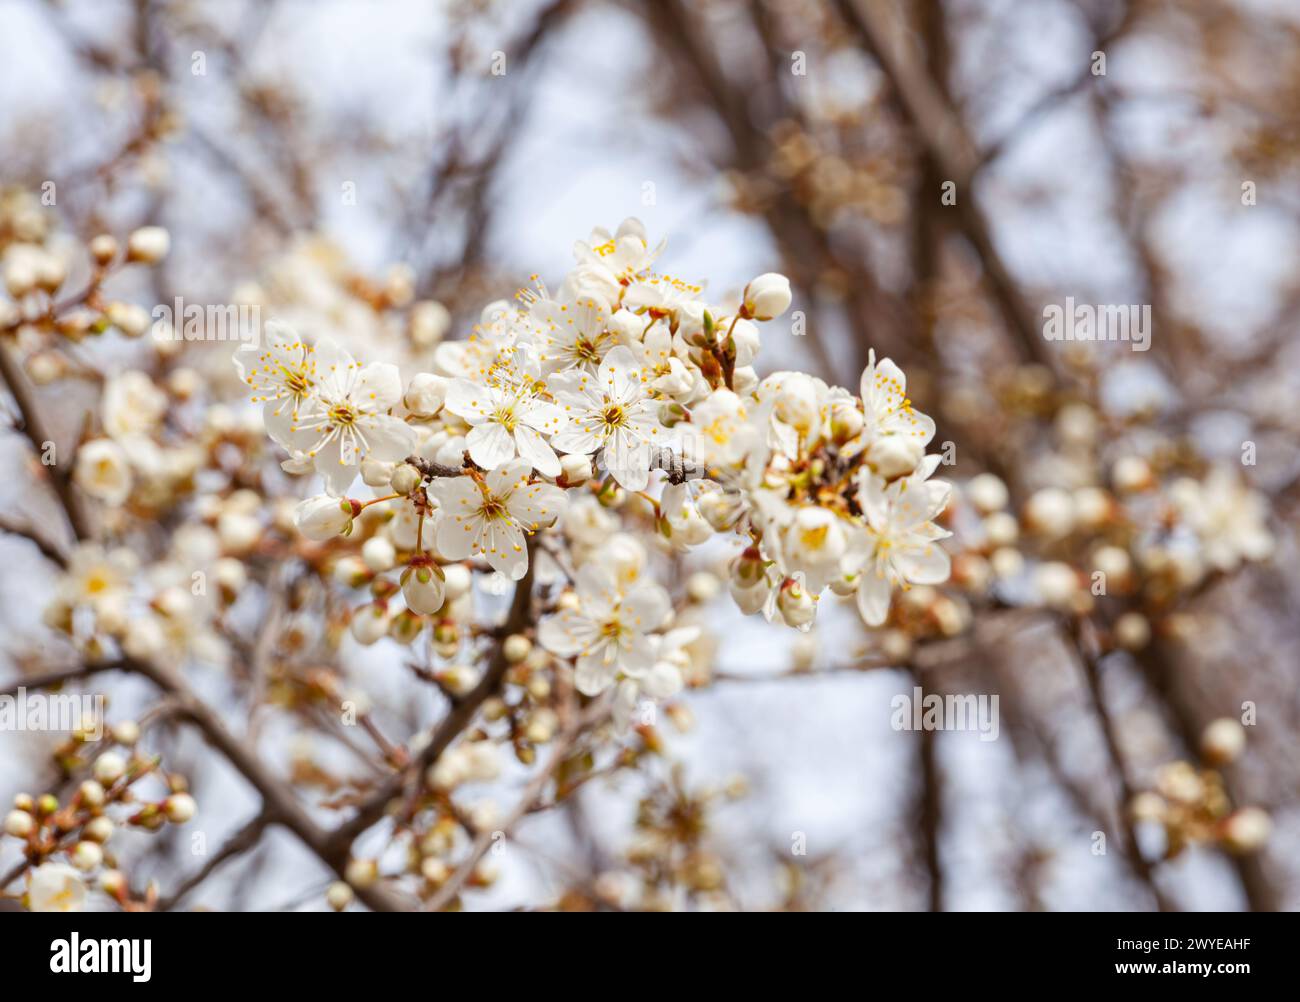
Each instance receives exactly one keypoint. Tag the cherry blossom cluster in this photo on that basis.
(624, 383)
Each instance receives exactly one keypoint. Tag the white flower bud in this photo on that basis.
(1132, 474)
(425, 394)
(430, 321)
(179, 808)
(516, 647)
(987, 493)
(893, 456)
(351, 571)
(458, 679)
(361, 872)
(795, 604)
(98, 829)
(1112, 561)
(323, 517)
(746, 337)
(748, 599)
(1147, 806)
(109, 768)
(112, 882)
(86, 856)
(1223, 741)
(575, 468)
(369, 623)
(796, 401)
(148, 245)
(1001, 528)
(130, 318)
(375, 473)
(1051, 511)
(339, 895)
(92, 793)
(767, 296)
(379, 554)
(126, 732)
(422, 588)
(702, 587)
(1132, 631)
(19, 824)
(1247, 830)
(103, 249)
(405, 479)
(1056, 584)
(457, 581)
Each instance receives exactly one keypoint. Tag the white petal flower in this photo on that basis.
(346, 420)
(900, 543)
(611, 411)
(489, 516)
(102, 471)
(608, 631)
(56, 887)
(507, 417)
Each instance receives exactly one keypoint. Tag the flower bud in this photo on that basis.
(1247, 830)
(98, 829)
(422, 588)
(767, 296)
(893, 456)
(148, 245)
(457, 581)
(748, 599)
(103, 249)
(339, 895)
(1132, 631)
(987, 493)
(575, 469)
(361, 872)
(429, 323)
(379, 554)
(92, 793)
(796, 401)
(369, 623)
(1222, 741)
(1051, 512)
(405, 479)
(375, 473)
(86, 856)
(19, 824)
(109, 768)
(405, 626)
(425, 394)
(322, 517)
(795, 604)
(179, 808)
(130, 318)
(516, 647)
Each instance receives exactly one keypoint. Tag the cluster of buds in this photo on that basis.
(66, 842)
(1191, 806)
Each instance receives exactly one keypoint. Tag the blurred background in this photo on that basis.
(930, 174)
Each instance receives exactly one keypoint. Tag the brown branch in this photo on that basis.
(457, 719)
(953, 153)
(36, 432)
(242, 840)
